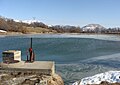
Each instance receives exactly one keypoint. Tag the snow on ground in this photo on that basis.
(3, 31)
(111, 77)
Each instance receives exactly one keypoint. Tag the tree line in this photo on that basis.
(10, 25)
(66, 29)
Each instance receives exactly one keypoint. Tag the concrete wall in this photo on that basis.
(24, 67)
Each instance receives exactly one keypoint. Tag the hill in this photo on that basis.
(27, 26)
(93, 28)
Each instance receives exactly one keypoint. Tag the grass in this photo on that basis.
(38, 30)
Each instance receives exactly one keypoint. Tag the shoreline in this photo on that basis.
(21, 34)
(34, 33)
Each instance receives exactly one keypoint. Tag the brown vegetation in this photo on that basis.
(10, 25)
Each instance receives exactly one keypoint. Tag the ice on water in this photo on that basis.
(110, 76)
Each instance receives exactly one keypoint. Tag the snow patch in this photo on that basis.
(27, 21)
(30, 21)
(2, 31)
(110, 76)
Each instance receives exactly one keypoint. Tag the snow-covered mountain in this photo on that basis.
(111, 77)
(28, 21)
(93, 27)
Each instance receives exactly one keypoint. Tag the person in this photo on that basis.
(31, 52)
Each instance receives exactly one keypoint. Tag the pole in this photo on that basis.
(31, 43)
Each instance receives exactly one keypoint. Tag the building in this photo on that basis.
(11, 56)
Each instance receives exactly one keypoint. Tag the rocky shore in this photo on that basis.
(30, 79)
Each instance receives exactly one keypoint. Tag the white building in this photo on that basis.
(11, 56)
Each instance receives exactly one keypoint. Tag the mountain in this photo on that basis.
(23, 26)
(34, 23)
(93, 28)
(28, 21)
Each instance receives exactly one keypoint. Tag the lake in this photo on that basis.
(76, 56)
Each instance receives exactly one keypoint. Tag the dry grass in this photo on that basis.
(38, 30)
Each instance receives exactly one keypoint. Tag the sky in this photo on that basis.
(64, 12)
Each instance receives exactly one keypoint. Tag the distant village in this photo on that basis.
(35, 26)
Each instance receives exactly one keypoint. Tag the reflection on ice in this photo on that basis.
(74, 35)
(107, 60)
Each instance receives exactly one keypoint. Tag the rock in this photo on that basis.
(56, 80)
(45, 80)
(31, 79)
(28, 82)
